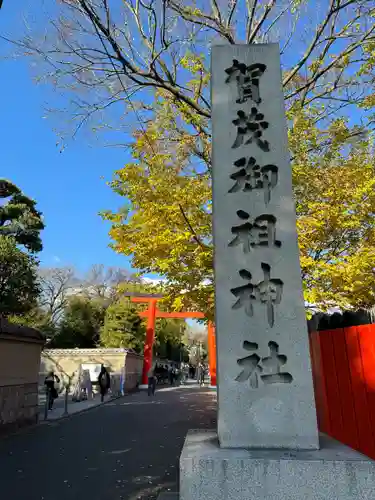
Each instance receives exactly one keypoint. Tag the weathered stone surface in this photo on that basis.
(335, 472)
(18, 406)
(168, 496)
(263, 403)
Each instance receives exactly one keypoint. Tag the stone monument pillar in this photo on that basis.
(266, 397)
(267, 444)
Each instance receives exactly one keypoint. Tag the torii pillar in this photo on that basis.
(212, 352)
(150, 337)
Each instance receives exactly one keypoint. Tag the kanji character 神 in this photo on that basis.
(247, 79)
(245, 293)
(251, 176)
(268, 292)
(250, 128)
(260, 232)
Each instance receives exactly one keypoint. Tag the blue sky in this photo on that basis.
(67, 186)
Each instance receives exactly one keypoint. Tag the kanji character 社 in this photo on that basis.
(250, 365)
(273, 364)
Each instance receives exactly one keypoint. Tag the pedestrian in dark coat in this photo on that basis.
(104, 382)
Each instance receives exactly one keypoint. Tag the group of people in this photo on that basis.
(162, 373)
(174, 374)
(103, 383)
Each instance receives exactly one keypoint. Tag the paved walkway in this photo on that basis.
(73, 407)
(127, 449)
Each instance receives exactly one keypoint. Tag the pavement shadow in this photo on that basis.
(127, 449)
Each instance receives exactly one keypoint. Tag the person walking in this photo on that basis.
(185, 373)
(49, 382)
(170, 374)
(202, 374)
(151, 380)
(104, 382)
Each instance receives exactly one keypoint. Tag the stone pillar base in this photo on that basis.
(335, 472)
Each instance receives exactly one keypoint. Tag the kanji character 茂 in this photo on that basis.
(250, 128)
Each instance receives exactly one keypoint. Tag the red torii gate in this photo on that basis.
(151, 313)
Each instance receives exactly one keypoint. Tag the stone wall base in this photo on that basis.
(18, 406)
(335, 472)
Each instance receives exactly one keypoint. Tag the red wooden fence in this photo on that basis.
(343, 364)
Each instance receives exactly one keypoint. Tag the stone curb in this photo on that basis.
(43, 422)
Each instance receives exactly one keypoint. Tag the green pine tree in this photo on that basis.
(19, 217)
(18, 279)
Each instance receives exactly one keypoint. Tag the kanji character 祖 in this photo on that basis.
(261, 232)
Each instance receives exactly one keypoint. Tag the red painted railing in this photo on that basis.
(343, 364)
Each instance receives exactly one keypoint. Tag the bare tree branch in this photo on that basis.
(268, 8)
(56, 283)
(191, 229)
(143, 47)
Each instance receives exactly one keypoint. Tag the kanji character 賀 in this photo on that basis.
(268, 292)
(251, 176)
(247, 79)
(250, 365)
(250, 128)
(273, 364)
(260, 232)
